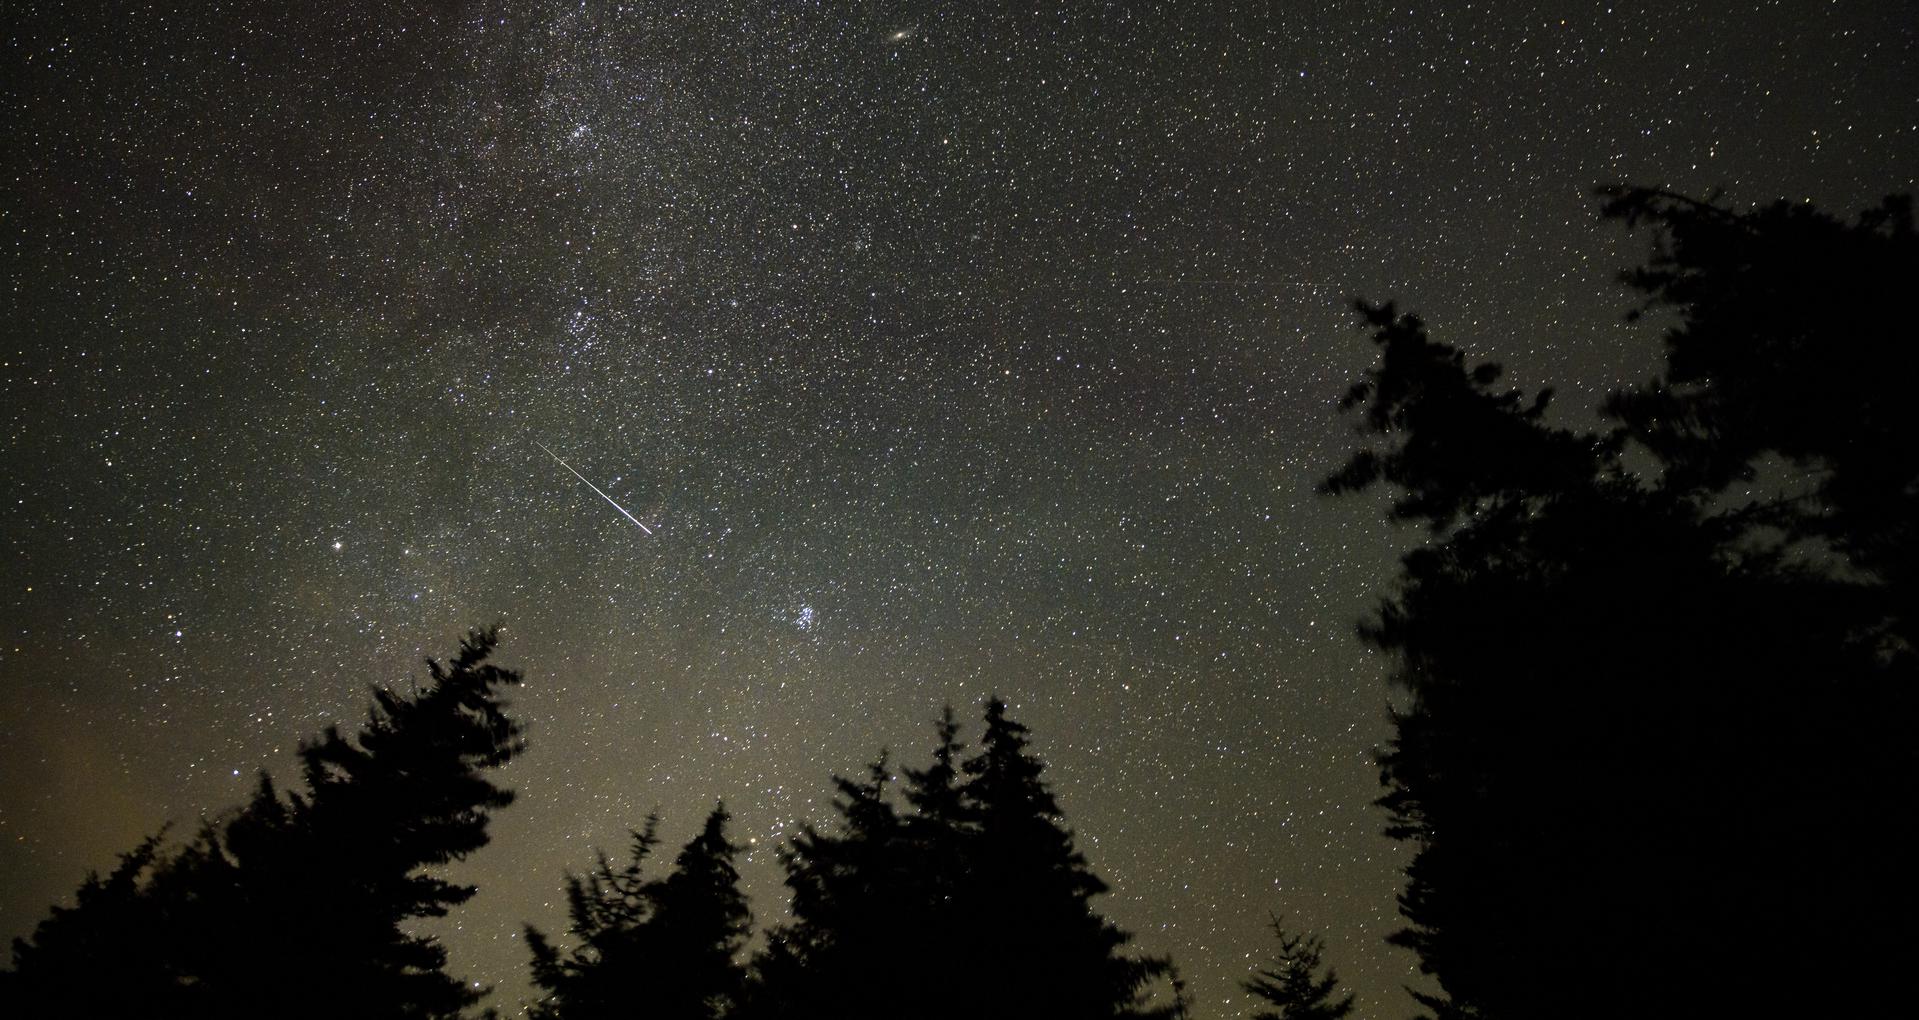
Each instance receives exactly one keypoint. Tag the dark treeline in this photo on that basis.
(958, 893)
(1651, 753)
(966, 898)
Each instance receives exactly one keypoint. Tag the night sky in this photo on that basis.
(943, 352)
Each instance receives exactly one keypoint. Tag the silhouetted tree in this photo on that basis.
(854, 898)
(302, 905)
(938, 841)
(701, 921)
(1643, 717)
(1032, 923)
(605, 907)
(974, 901)
(664, 948)
(1788, 346)
(99, 954)
(1292, 984)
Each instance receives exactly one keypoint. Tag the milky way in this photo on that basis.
(946, 352)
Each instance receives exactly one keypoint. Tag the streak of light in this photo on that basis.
(595, 488)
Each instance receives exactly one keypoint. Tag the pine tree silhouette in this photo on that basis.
(606, 907)
(1786, 346)
(975, 900)
(98, 956)
(665, 948)
(1292, 984)
(301, 906)
(1033, 926)
(1644, 714)
(848, 950)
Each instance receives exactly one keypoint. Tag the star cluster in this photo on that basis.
(946, 349)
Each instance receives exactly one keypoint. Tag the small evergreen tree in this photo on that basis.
(664, 948)
(605, 908)
(1292, 984)
(700, 924)
(938, 837)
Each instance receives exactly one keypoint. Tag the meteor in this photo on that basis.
(595, 488)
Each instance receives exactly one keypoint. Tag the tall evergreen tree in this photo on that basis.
(295, 902)
(847, 951)
(975, 900)
(939, 836)
(1644, 713)
(665, 948)
(1032, 924)
(934, 792)
(1292, 987)
(700, 925)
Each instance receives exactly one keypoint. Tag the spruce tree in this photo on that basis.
(99, 956)
(700, 925)
(605, 908)
(1292, 987)
(846, 951)
(303, 905)
(973, 901)
(938, 836)
(1654, 711)
(665, 948)
(1031, 933)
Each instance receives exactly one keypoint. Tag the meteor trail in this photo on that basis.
(590, 485)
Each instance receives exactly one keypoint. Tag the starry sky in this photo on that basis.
(945, 349)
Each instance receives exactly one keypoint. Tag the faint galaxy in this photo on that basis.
(944, 351)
